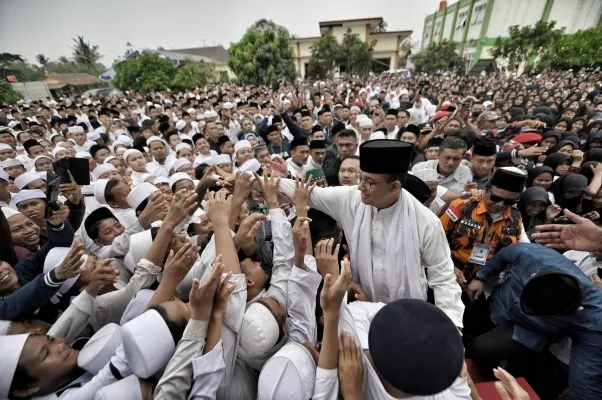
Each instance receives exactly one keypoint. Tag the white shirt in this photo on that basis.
(156, 169)
(456, 181)
(294, 169)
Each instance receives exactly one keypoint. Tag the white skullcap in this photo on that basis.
(35, 160)
(289, 374)
(11, 347)
(487, 104)
(4, 325)
(242, 144)
(88, 189)
(161, 179)
(54, 258)
(191, 111)
(93, 136)
(12, 124)
(181, 146)
(9, 212)
(56, 151)
(356, 108)
(126, 388)
(27, 194)
(180, 162)
(100, 348)
(99, 190)
(201, 159)
(210, 114)
(149, 103)
(259, 331)
(427, 175)
(10, 162)
(139, 244)
(147, 344)
(119, 132)
(4, 146)
(83, 154)
(101, 169)
(365, 122)
(228, 105)
(109, 158)
(181, 124)
(25, 179)
(75, 129)
(129, 152)
(178, 176)
(137, 305)
(222, 159)
(154, 139)
(377, 135)
(251, 165)
(124, 140)
(3, 174)
(140, 193)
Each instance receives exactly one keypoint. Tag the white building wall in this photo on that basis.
(474, 24)
(461, 23)
(447, 28)
(514, 12)
(574, 15)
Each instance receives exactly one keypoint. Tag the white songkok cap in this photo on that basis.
(210, 114)
(242, 144)
(140, 193)
(181, 146)
(10, 162)
(259, 331)
(4, 325)
(56, 150)
(180, 162)
(8, 213)
(4, 146)
(181, 124)
(161, 179)
(377, 135)
(222, 159)
(129, 152)
(289, 374)
(75, 129)
(27, 194)
(25, 179)
(191, 111)
(202, 160)
(427, 175)
(147, 344)
(54, 258)
(139, 244)
(364, 122)
(124, 140)
(35, 160)
(99, 190)
(228, 105)
(177, 177)
(100, 348)
(3, 174)
(126, 388)
(83, 154)
(154, 139)
(251, 165)
(137, 305)
(11, 347)
(109, 158)
(101, 169)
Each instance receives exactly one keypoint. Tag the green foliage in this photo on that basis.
(527, 42)
(15, 64)
(352, 55)
(381, 27)
(324, 56)
(85, 54)
(579, 50)
(436, 57)
(263, 55)
(8, 94)
(191, 75)
(42, 60)
(144, 73)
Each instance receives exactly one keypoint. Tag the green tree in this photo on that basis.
(42, 60)
(324, 57)
(436, 57)
(191, 75)
(381, 27)
(85, 54)
(263, 55)
(579, 50)
(8, 93)
(144, 73)
(355, 56)
(526, 43)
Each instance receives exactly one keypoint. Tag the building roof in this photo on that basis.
(57, 81)
(407, 33)
(339, 22)
(217, 53)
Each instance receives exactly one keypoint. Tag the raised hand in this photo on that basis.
(327, 257)
(178, 264)
(184, 203)
(507, 386)
(358, 293)
(155, 210)
(301, 235)
(300, 198)
(350, 367)
(219, 205)
(101, 273)
(70, 265)
(201, 296)
(269, 188)
(583, 235)
(242, 185)
(72, 191)
(59, 216)
(335, 287)
(245, 236)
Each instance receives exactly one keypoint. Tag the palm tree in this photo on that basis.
(42, 60)
(64, 60)
(84, 53)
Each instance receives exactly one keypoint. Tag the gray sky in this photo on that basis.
(31, 27)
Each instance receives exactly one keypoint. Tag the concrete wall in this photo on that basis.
(574, 15)
(507, 13)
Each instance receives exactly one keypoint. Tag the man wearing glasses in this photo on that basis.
(398, 249)
(477, 227)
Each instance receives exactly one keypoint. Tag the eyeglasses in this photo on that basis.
(367, 184)
(497, 199)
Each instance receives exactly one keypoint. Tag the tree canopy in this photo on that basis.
(263, 55)
(144, 73)
(85, 54)
(526, 43)
(436, 57)
(191, 75)
(352, 55)
(8, 93)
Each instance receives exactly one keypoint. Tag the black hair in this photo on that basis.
(110, 186)
(176, 328)
(21, 380)
(142, 206)
(453, 143)
(347, 133)
(94, 230)
(154, 232)
(322, 227)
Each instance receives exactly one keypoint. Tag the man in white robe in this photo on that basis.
(393, 238)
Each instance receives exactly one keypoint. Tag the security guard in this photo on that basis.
(478, 227)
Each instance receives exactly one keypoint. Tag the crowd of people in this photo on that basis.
(356, 239)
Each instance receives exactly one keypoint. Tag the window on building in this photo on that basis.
(437, 29)
(461, 21)
(470, 58)
(427, 31)
(380, 65)
(478, 14)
